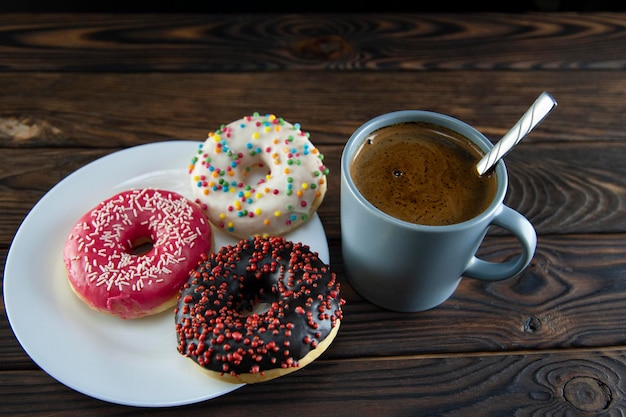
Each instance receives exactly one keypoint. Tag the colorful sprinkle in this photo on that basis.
(264, 156)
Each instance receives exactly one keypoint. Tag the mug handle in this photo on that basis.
(525, 233)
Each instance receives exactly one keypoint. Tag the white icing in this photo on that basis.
(258, 175)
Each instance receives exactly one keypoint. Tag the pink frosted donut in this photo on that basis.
(131, 254)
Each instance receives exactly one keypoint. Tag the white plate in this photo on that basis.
(130, 362)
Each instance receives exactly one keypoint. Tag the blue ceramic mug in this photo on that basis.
(409, 267)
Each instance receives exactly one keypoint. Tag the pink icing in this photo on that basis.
(101, 257)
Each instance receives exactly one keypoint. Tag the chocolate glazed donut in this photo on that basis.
(220, 322)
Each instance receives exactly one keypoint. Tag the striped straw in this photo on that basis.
(533, 116)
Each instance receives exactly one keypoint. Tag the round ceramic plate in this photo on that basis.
(129, 362)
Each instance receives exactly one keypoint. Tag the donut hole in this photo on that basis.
(258, 303)
(260, 307)
(260, 294)
(141, 246)
(256, 174)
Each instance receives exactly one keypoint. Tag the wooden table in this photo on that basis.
(551, 341)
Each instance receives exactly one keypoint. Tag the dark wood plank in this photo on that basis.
(119, 110)
(577, 383)
(581, 141)
(548, 342)
(570, 297)
(262, 42)
(561, 187)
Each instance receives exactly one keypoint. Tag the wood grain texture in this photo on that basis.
(270, 42)
(549, 342)
(586, 197)
(119, 110)
(526, 384)
(570, 297)
(68, 121)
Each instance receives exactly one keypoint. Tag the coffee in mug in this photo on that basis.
(393, 259)
(422, 173)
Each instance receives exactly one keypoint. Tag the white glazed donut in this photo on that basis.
(258, 175)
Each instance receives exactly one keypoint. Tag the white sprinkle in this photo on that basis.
(109, 222)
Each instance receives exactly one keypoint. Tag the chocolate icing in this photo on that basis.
(216, 322)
